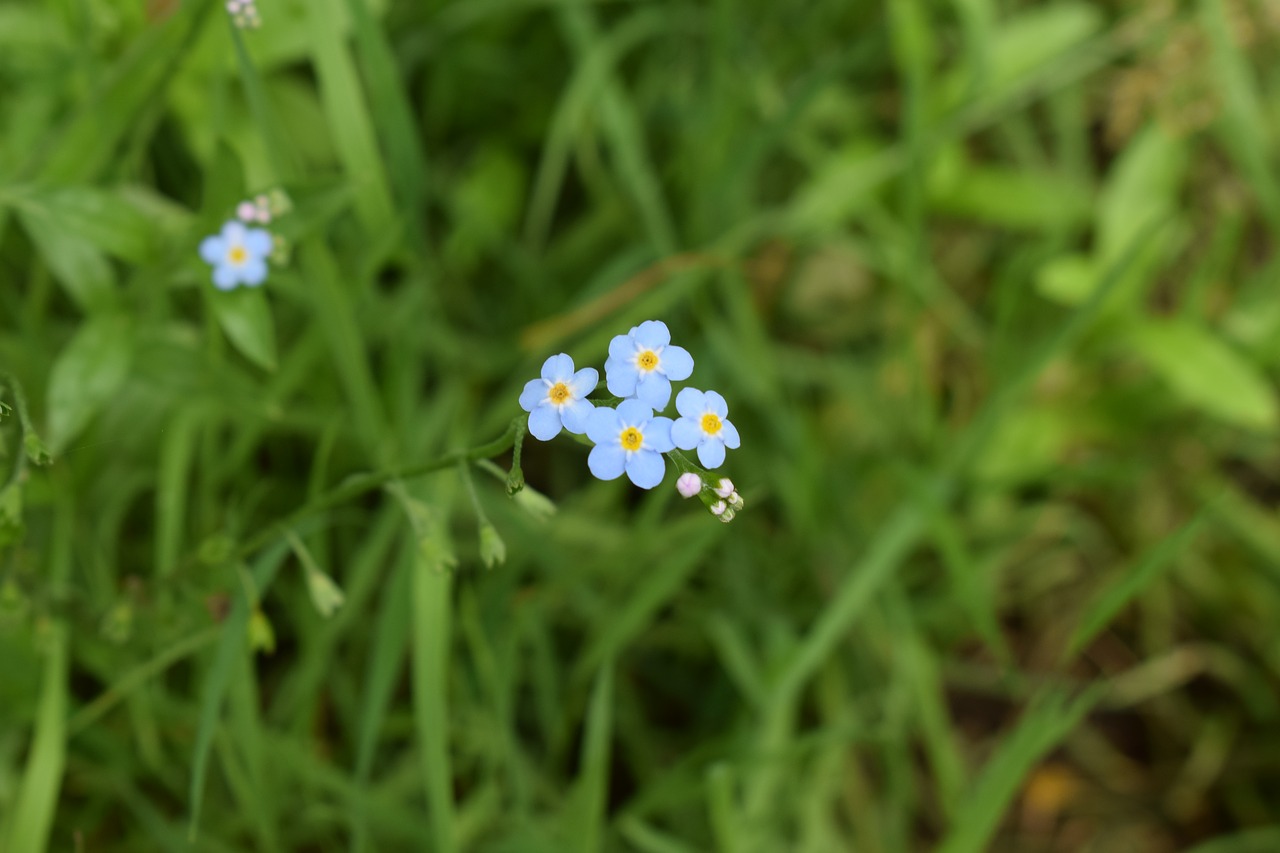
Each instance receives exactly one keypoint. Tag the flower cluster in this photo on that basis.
(628, 434)
(244, 14)
(239, 253)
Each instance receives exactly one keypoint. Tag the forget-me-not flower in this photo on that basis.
(559, 398)
(629, 439)
(238, 255)
(642, 363)
(704, 424)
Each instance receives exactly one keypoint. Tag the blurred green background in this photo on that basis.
(990, 287)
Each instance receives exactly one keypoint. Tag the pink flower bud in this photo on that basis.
(245, 210)
(689, 485)
(725, 487)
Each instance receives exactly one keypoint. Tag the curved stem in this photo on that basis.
(358, 484)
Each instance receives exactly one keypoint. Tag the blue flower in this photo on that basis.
(559, 398)
(642, 364)
(629, 439)
(704, 424)
(238, 254)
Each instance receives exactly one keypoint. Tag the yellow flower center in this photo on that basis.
(559, 393)
(631, 439)
(647, 360)
(710, 424)
(237, 255)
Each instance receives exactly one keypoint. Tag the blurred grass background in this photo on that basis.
(990, 287)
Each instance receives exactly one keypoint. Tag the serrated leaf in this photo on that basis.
(88, 373)
(245, 317)
(1206, 372)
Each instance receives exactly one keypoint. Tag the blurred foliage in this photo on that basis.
(990, 288)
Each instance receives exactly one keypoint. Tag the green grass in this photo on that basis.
(990, 290)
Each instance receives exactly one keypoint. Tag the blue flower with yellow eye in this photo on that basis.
(558, 399)
(704, 424)
(643, 363)
(238, 255)
(629, 438)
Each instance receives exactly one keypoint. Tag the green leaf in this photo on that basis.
(86, 375)
(76, 264)
(11, 526)
(1068, 279)
(245, 317)
(1132, 581)
(101, 218)
(1143, 186)
(1206, 372)
(1014, 198)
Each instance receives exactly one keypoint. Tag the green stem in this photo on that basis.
(358, 484)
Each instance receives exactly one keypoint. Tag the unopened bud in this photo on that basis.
(689, 484)
(262, 638)
(718, 508)
(325, 594)
(727, 515)
(735, 501)
(725, 487)
(493, 550)
(535, 503)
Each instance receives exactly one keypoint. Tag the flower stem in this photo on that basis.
(358, 484)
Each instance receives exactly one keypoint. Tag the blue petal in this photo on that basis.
(258, 242)
(233, 232)
(224, 276)
(254, 271)
(729, 433)
(212, 250)
(535, 391)
(603, 426)
(711, 453)
(652, 334)
(574, 415)
(676, 363)
(622, 347)
(544, 422)
(690, 403)
(654, 389)
(657, 435)
(685, 433)
(620, 377)
(607, 461)
(716, 405)
(584, 381)
(558, 368)
(645, 468)
(633, 413)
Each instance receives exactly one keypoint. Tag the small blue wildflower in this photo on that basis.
(629, 439)
(704, 424)
(238, 255)
(642, 363)
(559, 398)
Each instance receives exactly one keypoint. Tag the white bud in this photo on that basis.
(727, 516)
(735, 501)
(718, 508)
(725, 487)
